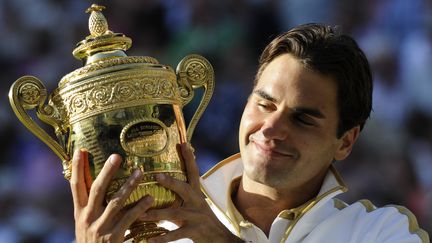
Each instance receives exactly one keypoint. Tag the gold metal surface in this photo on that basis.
(119, 104)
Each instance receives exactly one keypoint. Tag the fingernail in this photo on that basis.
(148, 199)
(136, 174)
(77, 154)
(112, 160)
(143, 216)
(80, 154)
(189, 145)
(160, 176)
(83, 153)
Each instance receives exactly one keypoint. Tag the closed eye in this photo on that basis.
(264, 101)
(304, 119)
(265, 106)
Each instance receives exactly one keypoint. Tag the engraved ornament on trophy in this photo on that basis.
(130, 105)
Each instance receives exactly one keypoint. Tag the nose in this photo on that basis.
(275, 126)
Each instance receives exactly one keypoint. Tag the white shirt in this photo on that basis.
(321, 220)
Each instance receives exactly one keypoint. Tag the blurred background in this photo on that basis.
(391, 164)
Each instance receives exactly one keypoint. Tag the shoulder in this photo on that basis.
(230, 165)
(215, 182)
(390, 223)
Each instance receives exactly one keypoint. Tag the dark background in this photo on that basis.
(391, 164)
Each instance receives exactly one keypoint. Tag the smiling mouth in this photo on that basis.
(265, 150)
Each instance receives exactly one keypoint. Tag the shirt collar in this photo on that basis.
(223, 179)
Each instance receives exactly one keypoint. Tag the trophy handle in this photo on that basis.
(195, 71)
(28, 93)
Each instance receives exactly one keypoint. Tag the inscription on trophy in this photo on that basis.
(127, 105)
(145, 138)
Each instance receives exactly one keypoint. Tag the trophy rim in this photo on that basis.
(110, 65)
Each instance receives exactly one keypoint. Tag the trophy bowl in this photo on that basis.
(130, 105)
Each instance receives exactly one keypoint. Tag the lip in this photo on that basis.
(269, 151)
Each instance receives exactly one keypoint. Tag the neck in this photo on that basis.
(260, 203)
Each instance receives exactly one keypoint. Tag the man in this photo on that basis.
(312, 97)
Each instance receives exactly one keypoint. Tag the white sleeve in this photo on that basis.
(400, 226)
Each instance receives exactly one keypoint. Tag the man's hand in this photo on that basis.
(195, 219)
(95, 222)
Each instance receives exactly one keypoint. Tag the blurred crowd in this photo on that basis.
(391, 164)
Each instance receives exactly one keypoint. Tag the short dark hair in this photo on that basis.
(322, 49)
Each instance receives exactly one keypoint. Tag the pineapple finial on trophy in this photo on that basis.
(102, 43)
(98, 24)
(115, 103)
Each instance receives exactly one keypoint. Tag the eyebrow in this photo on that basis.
(299, 110)
(265, 95)
(309, 111)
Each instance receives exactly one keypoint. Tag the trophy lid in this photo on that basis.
(103, 49)
(101, 39)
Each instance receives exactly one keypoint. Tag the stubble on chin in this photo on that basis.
(263, 175)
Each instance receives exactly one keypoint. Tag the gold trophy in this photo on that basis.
(130, 105)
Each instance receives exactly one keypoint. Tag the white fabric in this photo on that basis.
(328, 220)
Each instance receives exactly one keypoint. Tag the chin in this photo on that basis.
(257, 176)
(264, 178)
(259, 172)
(263, 171)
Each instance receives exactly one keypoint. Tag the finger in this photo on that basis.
(183, 189)
(170, 214)
(191, 165)
(87, 175)
(101, 183)
(77, 183)
(118, 200)
(173, 235)
(134, 213)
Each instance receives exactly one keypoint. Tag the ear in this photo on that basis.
(346, 143)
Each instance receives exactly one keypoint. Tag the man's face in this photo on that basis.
(288, 128)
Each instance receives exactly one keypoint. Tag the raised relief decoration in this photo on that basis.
(119, 104)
